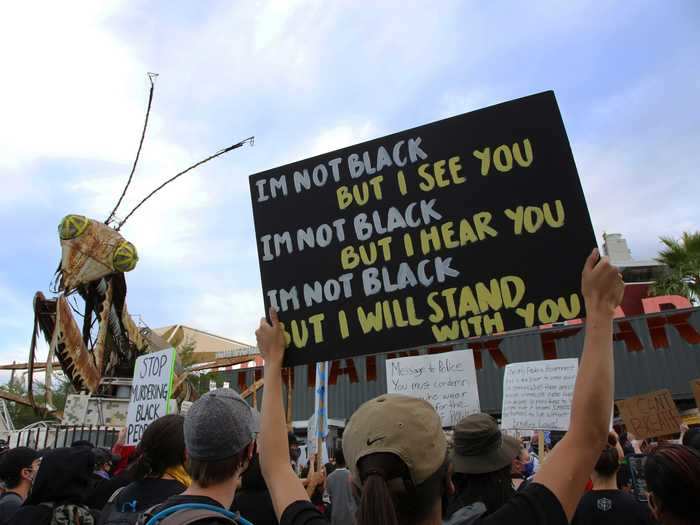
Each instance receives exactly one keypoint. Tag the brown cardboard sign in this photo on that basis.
(650, 415)
(695, 385)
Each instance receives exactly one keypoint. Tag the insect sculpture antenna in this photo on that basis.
(249, 140)
(151, 77)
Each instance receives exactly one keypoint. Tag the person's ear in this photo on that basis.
(251, 450)
(27, 474)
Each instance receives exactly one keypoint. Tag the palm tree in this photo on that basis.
(682, 258)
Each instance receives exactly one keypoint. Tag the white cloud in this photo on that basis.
(69, 89)
(340, 136)
(234, 313)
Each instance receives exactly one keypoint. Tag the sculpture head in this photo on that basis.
(91, 250)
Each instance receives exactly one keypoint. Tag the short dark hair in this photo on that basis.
(13, 462)
(82, 443)
(672, 474)
(339, 457)
(207, 473)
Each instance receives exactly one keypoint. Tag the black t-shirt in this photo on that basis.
(255, 506)
(614, 507)
(104, 488)
(534, 505)
(302, 513)
(143, 494)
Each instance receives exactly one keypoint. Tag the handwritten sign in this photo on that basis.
(695, 385)
(439, 233)
(447, 381)
(650, 415)
(537, 395)
(151, 389)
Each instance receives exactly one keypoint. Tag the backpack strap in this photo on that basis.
(189, 516)
(115, 494)
(187, 513)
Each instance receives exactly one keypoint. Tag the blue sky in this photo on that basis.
(306, 77)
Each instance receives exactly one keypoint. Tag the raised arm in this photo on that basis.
(284, 485)
(568, 467)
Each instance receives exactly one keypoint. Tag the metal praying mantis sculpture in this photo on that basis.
(95, 257)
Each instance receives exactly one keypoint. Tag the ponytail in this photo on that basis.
(141, 468)
(376, 505)
(388, 495)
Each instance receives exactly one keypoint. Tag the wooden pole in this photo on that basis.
(540, 438)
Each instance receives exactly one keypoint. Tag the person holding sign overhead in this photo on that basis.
(397, 452)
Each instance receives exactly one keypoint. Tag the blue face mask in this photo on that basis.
(528, 469)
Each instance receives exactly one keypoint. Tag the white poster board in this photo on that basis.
(151, 389)
(447, 381)
(537, 395)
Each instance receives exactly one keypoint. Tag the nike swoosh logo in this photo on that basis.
(373, 441)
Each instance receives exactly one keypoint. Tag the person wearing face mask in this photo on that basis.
(17, 470)
(521, 468)
(294, 451)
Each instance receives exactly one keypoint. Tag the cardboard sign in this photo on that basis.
(650, 415)
(447, 381)
(537, 395)
(468, 226)
(151, 389)
(695, 386)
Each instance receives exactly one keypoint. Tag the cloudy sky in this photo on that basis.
(307, 77)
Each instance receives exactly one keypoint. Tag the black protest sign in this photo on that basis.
(472, 225)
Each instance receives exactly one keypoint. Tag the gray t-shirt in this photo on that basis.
(9, 503)
(343, 506)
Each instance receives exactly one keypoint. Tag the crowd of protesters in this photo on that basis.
(224, 463)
